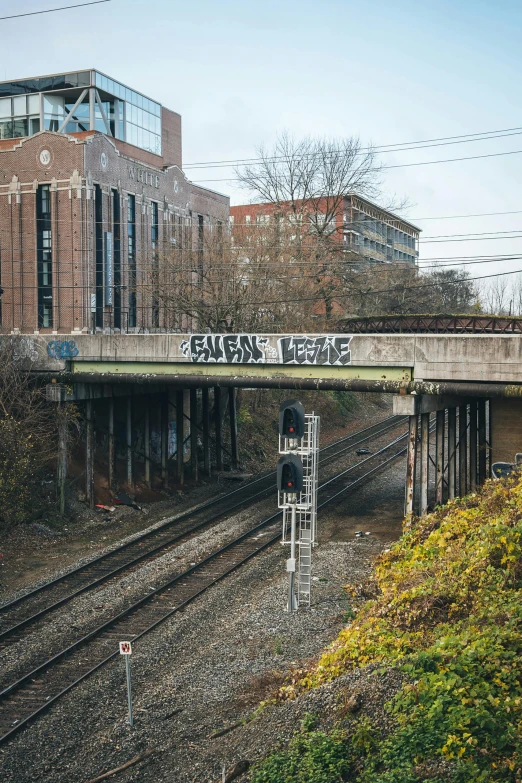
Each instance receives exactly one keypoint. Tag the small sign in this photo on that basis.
(109, 270)
(125, 648)
(93, 303)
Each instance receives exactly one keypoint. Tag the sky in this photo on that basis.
(387, 72)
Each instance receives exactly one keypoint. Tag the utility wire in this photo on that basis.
(52, 10)
(394, 166)
(384, 147)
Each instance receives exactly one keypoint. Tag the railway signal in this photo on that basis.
(297, 485)
(289, 474)
(291, 420)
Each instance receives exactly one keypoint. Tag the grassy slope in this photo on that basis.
(448, 611)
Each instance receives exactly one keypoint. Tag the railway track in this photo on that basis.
(36, 691)
(19, 616)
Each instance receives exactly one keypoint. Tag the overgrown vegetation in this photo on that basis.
(27, 435)
(447, 611)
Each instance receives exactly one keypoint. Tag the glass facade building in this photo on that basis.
(79, 101)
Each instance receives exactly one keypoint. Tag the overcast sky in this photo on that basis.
(388, 72)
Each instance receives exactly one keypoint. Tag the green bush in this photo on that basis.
(313, 757)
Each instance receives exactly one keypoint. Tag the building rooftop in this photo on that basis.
(79, 101)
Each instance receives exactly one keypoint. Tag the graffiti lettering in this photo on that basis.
(315, 350)
(254, 349)
(226, 348)
(63, 349)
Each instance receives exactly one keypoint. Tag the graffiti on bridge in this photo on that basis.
(62, 349)
(255, 349)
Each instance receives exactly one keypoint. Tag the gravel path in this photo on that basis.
(211, 664)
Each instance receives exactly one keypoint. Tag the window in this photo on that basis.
(98, 238)
(154, 232)
(131, 257)
(116, 230)
(247, 219)
(44, 257)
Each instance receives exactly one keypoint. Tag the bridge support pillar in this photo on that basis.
(205, 410)
(180, 440)
(194, 433)
(218, 423)
(482, 443)
(89, 453)
(463, 449)
(233, 426)
(452, 448)
(112, 446)
(130, 475)
(410, 466)
(439, 457)
(146, 440)
(61, 471)
(425, 460)
(473, 446)
(164, 425)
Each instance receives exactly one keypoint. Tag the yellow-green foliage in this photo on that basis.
(448, 610)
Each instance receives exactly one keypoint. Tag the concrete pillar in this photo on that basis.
(219, 429)
(439, 458)
(146, 440)
(463, 450)
(410, 466)
(452, 448)
(206, 430)
(61, 468)
(473, 446)
(89, 453)
(165, 439)
(425, 457)
(233, 426)
(112, 446)
(180, 429)
(194, 433)
(482, 445)
(130, 477)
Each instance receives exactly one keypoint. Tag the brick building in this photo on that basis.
(92, 194)
(361, 226)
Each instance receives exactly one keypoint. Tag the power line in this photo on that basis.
(51, 10)
(395, 166)
(383, 147)
(476, 214)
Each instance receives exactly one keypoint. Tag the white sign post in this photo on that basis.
(126, 650)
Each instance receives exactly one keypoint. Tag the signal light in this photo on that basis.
(289, 474)
(291, 419)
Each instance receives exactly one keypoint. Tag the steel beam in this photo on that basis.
(61, 468)
(463, 450)
(233, 426)
(194, 433)
(425, 460)
(130, 476)
(439, 458)
(103, 372)
(452, 456)
(218, 423)
(146, 440)
(180, 439)
(89, 453)
(482, 445)
(410, 467)
(473, 446)
(112, 445)
(165, 439)
(206, 430)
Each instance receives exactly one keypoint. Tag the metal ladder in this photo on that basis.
(304, 583)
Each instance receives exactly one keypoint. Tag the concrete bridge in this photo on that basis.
(470, 384)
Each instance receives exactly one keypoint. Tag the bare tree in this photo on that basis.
(311, 178)
(28, 425)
